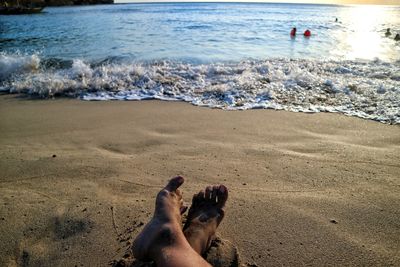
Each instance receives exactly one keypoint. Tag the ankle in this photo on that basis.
(169, 234)
(199, 239)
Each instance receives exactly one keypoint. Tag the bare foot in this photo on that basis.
(165, 226)
(205, 214)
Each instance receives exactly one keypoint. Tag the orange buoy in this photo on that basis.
(307, 33)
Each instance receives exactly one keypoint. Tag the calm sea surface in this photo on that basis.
(204, 32)
(226, 55)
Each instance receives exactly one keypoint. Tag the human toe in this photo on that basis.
(222, 195)
(174, 183)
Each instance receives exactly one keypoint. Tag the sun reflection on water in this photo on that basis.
(365, 37)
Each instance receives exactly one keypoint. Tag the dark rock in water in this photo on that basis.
(333, 221)
(77, 2)
(42, 3)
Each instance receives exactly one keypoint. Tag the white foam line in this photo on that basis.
(368, 90)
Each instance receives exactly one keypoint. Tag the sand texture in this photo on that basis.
(78, 180)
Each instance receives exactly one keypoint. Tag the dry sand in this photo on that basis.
(305, 189)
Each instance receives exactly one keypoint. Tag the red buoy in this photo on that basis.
(307, 33)
(293, 32)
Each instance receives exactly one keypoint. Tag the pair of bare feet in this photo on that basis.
(163, 239)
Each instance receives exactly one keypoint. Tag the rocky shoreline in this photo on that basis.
(43, 3)
(76, 2)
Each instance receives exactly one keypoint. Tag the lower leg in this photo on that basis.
(180, 255)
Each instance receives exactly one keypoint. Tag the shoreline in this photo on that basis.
(339, 88)
(318, 189)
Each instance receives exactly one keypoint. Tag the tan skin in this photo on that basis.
(164, 241)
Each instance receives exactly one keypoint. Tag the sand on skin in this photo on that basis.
(305, 189)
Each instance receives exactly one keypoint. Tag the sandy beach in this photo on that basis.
(78, 180)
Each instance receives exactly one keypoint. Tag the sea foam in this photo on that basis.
(16, 64)
(365, 89)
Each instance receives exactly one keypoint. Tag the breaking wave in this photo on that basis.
(365, 89)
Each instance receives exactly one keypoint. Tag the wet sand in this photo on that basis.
(78, 179)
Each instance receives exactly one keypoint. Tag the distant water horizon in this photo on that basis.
(224, 55)
(247, 2)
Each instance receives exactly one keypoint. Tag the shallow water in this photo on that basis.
(226, 55)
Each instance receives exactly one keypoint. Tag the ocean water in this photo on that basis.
(223, 55)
